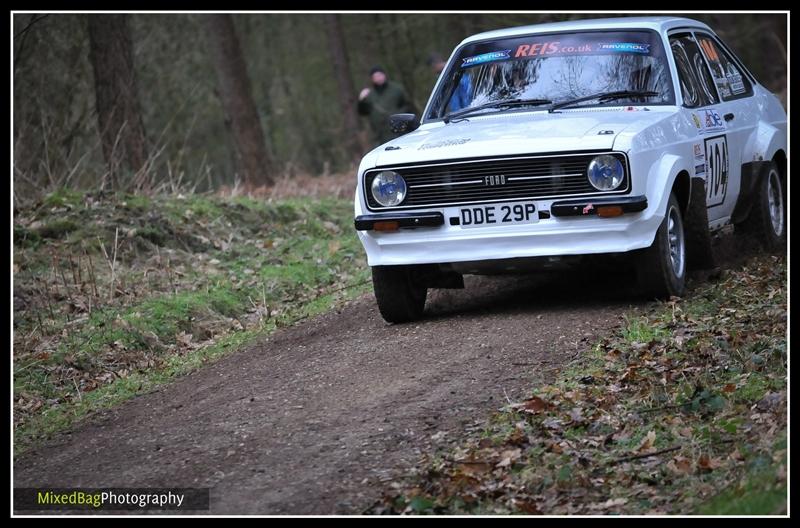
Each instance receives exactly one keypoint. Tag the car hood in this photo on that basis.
(515, 133)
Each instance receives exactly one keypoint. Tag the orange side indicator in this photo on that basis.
(389, 225)
(609, 211)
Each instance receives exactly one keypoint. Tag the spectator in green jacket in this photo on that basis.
(380, 101)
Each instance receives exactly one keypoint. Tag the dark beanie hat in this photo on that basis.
(376, 69)
(434, 58)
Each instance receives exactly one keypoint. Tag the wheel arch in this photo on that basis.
(752, 173)
(668, 173)
(766, 142)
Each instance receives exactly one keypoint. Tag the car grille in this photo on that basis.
(523, 178)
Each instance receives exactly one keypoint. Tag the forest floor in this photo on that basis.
(232, 343)
(682, 409)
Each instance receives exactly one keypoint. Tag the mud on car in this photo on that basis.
(634, 136)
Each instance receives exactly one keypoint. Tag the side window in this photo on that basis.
(729, 79)
(697, 86)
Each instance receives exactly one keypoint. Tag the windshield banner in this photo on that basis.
(558, 45)
(571, 48)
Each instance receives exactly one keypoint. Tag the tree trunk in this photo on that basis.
(252, 159)
(390, 31)
(344, 82)
(116, 99)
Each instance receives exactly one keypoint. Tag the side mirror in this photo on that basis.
(403, 123)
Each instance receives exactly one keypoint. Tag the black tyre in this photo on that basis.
(699, 252)
(766, 222)
(661, 268)
(400, 298)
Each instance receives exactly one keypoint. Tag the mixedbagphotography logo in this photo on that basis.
(27, 499)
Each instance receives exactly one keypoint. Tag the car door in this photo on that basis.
(717, 148)
(740, 113)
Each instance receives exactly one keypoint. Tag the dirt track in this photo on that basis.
(322, 416)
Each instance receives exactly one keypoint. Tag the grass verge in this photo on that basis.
(115, 295)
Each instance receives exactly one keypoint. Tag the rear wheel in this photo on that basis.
(766, 222)
(400, 297)
(661, 268)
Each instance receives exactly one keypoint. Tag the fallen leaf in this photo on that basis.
(736, 455)
(686, 432)
(680, 465)
(555, 448)
(629, 375)
(610, 503)
(518, 437)
(527, 506)
(474, 468)
(769, 401)
(708, 463)
(552, 423)
(647, 442)
(508, 457)
(577, 415)
(535, 405)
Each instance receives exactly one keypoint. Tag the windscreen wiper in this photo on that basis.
(604, 96)
(508, 103)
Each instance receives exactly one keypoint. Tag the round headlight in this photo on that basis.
(605, 173)
(388, 188)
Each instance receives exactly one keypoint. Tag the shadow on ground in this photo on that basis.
(594, 283)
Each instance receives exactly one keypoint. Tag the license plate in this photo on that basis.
(498, 214)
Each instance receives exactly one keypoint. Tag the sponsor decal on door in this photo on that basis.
(708, 121)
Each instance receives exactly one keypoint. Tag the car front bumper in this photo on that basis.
(567, 230)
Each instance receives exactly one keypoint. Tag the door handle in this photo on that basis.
(728, 117)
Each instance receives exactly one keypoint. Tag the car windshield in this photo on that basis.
(556, 67)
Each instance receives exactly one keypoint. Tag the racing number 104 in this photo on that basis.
(717, 172)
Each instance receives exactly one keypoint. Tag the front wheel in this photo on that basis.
(400, 297)
(661, 268)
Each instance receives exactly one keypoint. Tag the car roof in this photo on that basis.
(658, 23)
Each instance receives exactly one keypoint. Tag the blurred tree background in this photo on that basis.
(295, 65)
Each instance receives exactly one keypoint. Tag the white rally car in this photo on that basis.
(635, 136)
